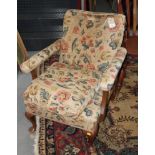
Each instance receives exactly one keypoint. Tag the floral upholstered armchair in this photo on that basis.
(76, 89)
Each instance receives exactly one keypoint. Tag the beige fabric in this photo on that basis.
(40, 57)
(90, 59)
(63, 89)
(87, 120)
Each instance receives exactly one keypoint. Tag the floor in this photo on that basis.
(24, 141)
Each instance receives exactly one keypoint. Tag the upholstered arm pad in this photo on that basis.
(40, 57)
(110, 74)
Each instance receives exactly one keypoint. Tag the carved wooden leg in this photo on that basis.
(91, 137)
(104, 103)
(32, 119)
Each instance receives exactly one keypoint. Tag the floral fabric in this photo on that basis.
(63, 89)
(40, 57)
(88, 40)
(90, 57)
(112, 70)
(87, 120)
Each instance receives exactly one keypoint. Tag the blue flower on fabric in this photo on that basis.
(44, 94)
(113, 45)
(88, 112)
(103, 67)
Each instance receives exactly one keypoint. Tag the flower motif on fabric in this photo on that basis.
(62, 96)
(103, 67)
(89, 24)
(88, 112)
(92, 82)
(76, 30)
(114, 42)
(33, 90)
(64, 47)
(91, 67)
(59, 65)
(47, 82)
(44, 94)
(64, 79)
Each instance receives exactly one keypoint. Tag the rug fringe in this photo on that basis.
(36, 139)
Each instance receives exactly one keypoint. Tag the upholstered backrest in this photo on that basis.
(91, 39)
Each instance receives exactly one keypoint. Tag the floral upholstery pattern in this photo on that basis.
(90, 57)
(40, 57)
(63, 89)
(88, 39)
(87, 120)
(112, 70)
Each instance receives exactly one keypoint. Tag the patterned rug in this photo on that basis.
(117, 134)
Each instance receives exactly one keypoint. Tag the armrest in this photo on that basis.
(109, 76)
(40, 57)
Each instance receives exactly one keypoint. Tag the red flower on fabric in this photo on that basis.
(65, 79)
(120, 54)
(92, 81)
(59, 65)
(91, 66)
(90, 44)
(53, 108)
(76, 75)
(92, 50)
(83, 40)
(47, 82)
(76, 30)
(62, 96)
(101, 47)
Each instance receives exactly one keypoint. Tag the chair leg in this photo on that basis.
(32, 119)
(114, 91)
(120, 80)
(104, 103)
(90, 138)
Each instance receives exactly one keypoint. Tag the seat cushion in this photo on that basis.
(87, 120)
(63, 90)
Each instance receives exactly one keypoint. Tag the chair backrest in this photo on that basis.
(130, 9)
(91, 39)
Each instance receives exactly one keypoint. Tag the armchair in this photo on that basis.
(76, 89)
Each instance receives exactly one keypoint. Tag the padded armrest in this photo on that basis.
(40, 57)
(110, 74)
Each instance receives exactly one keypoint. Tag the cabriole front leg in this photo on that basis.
(32, 119)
